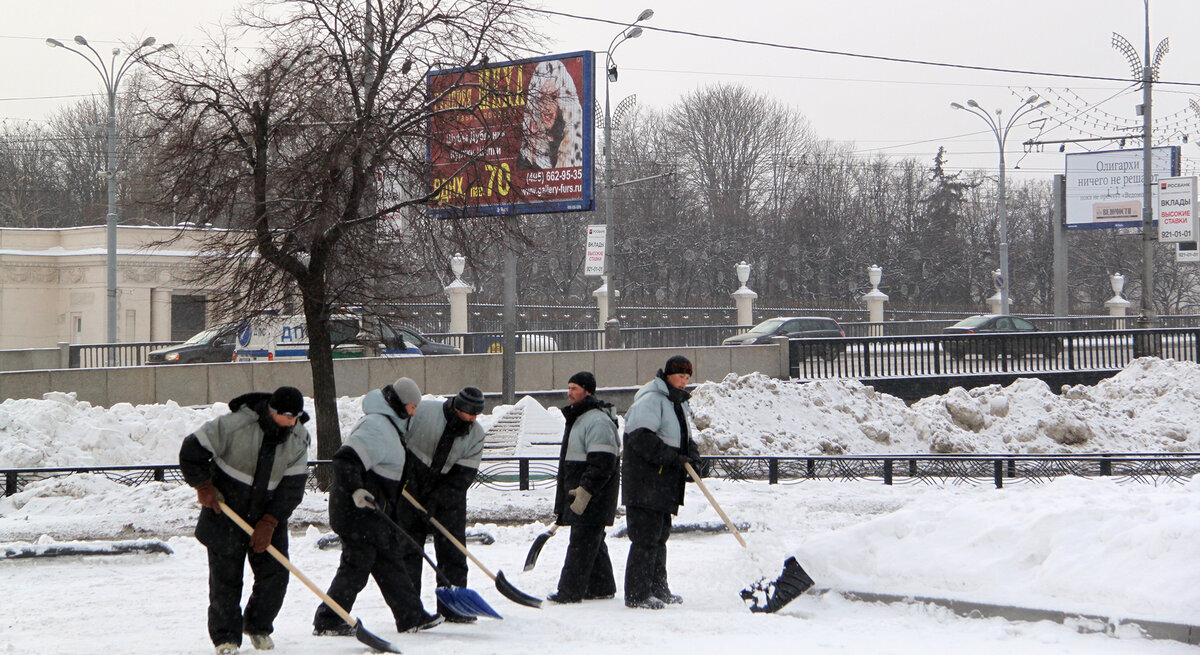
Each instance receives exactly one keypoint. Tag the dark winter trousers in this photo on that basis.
(226, 622)
(646, 567)
(450, 560)
(587, 571)
(362, 559)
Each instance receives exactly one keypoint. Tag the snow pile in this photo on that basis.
(1088, 545)
(60, 430)
(1145, 408)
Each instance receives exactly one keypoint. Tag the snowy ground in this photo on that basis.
(1081, 545)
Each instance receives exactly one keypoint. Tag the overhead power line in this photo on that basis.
(842, 53)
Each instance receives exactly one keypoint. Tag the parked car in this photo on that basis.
(212, 345)
(423, 343)
(1031, 343)
(795, 327)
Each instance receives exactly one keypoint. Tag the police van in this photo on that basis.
(273, 337)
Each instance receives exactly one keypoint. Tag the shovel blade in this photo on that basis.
(517, 596)
(466, 602)
(372, 641)
(771, 595)
(536, 549)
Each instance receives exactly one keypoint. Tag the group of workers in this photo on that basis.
(408, 462)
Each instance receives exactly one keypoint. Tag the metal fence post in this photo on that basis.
(998, 473)
(1105, 466)
(773, 471)
(524, 467)
(887, 472)
(10, 483)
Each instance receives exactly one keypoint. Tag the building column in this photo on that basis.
(160, 314)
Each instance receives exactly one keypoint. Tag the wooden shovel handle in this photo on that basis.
(446, 533)
(350, 620)
(713, 501)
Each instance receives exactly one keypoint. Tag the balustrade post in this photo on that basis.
(874, 300)
(1117, 305)
(457, 292)
(743, 298)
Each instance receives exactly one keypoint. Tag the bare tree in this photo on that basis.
(312, 147)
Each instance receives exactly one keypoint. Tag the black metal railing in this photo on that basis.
(524, 473)
(977, 354)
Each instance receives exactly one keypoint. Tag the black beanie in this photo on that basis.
(287, 400)
(469, 401)
(584, 379)
(678, 364)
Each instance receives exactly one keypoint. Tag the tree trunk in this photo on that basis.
(320, 358)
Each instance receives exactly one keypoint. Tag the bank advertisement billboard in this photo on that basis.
(514, 137)
(1104, 189)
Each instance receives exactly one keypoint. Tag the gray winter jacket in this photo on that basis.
(657, 441)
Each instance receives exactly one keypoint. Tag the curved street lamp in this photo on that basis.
(610, 75)
(111, 74)
(1000, 129)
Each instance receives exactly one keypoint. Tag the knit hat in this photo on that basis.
(678, 364)
(407, 390)
(584, 379)
(287, 400)
(469, 401)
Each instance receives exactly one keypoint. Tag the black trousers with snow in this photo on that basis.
(646, 566)
(226, 622)
(587, 571)
(362, 559)
(450, 560)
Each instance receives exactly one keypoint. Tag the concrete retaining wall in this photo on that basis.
(30, 359)
(201, 384)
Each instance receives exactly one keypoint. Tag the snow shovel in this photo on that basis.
(360, 633)
(535, 549)
(764, 595)
(460, 600)
(505, 587)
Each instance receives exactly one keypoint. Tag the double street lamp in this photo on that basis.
(1000, 129)
(111, 73)
(610, 75)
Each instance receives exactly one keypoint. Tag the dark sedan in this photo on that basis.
(427, 347)
(1026, 340)
(795, 327)
(209, 346)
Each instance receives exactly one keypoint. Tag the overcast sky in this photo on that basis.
(898, 109)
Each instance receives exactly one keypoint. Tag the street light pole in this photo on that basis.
(1000, 129)
(111, 75)
(610, 75)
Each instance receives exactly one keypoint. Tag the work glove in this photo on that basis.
(262, 533)
(363, 499)
(208, 496)
(581, 499)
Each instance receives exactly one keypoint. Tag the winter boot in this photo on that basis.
(647, 603)
(425, 622)
(557, 597)
(227, 648)
(343, 630)
(455, 617)
(669, 598)
(261, 642)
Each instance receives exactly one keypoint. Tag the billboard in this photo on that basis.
(513, 138)
(1104, 189)
(1176, 203)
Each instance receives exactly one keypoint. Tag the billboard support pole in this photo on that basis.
(1058, 228)
(508, 359)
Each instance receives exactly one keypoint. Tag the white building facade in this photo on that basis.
(54, 285)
